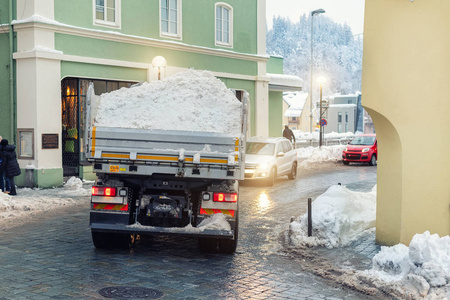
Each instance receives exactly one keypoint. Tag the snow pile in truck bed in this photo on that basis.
(188, 101)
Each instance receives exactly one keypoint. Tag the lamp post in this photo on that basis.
(314, 12)
(321, 81)
(159, 62)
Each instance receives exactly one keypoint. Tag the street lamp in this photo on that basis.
(159, 62)
(314, 12)
(321, 81)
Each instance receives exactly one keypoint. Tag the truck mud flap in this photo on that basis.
(150, 230)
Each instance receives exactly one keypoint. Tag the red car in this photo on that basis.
(363, 148)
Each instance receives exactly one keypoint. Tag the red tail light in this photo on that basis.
(103, 191)
(224, 197)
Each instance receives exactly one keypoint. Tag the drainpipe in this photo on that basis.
(11, 71)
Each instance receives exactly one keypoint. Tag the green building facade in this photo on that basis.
(51, 49)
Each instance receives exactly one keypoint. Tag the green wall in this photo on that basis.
(275, 113)
(141, 18)
(5, 106)
(89, 47)
(5, 96)
(73, 69)
(275, 65)
(43, 178)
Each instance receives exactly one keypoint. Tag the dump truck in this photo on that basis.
(165, 182)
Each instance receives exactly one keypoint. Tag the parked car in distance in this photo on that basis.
(268, 158)
(363, 148)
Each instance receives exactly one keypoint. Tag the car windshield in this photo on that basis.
(363, 140)
(260, 148)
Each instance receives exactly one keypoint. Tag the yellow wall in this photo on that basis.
(406, 89)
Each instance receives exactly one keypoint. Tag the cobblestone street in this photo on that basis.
(52, 255)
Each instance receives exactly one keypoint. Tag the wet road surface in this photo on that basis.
(52, 255)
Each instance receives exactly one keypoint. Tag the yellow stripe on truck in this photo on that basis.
(155, 157)
(112, 155)
(93, 140)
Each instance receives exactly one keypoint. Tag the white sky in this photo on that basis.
(341, 11)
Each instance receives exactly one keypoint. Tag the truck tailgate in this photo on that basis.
(184, 153)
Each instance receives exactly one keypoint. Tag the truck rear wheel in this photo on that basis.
(208, 245)
(226, 246)
(106, 240)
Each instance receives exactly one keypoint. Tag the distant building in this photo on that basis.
(296, 114)
(346, 114)
(340, 118)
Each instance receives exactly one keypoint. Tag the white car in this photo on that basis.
(268, 158)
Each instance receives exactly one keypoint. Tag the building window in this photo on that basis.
(170, 16)
(339, 128)
(107, 13)
(346, 127)
(224, 25)
(346, 117)
(339, 117)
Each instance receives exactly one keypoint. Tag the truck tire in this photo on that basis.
(228, 246)
(105, 240)
(207, 245)
(214, 245)
(293, 173)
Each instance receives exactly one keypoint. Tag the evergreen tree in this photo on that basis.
(337, 52)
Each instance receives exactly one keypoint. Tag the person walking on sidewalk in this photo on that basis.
(10, 166)
(4, 181)
(287, 133)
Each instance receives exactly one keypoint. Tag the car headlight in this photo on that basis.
(345, 150)
(365, 150)
(263, 165)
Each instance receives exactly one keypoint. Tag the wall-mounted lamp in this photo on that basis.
(159, 62)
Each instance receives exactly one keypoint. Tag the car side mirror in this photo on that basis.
(280, 154)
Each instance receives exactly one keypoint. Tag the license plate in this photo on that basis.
(114, 169)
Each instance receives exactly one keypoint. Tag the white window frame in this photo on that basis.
(178, 35)
(116, 24)
(230, 22)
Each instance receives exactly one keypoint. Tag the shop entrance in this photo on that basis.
(73, 101)
(70, 126)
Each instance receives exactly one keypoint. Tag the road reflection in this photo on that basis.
(264, 202)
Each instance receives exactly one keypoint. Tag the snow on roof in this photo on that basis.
(187, 101)
(296, 102)
(343, 105)
(356, 94)
(289, 113)
(282, 82)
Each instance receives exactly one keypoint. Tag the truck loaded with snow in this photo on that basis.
(168, 157)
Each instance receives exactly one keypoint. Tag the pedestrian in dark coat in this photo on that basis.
(287, 133)
(4, 181)
(10, 166)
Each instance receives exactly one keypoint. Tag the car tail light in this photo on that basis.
(103, 191)
(225, 197)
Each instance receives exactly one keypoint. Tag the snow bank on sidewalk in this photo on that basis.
(15, 209)
(339, 216)
(428, 256)
(319, 155)
(189, 101)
